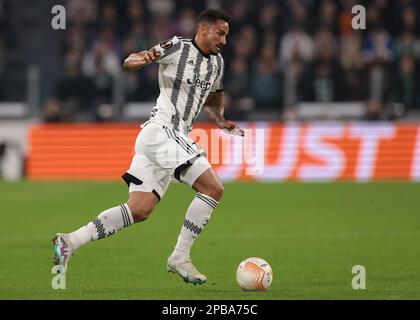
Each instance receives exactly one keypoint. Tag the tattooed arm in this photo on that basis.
(215, 111)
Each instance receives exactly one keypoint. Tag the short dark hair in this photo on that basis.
(212, 15)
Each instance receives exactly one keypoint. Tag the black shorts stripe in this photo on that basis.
(129, 178)
(186, 146)
(182, 167)
(156, 194)
(187, 143)
(167, 133)
(181, 144)
(183, 140)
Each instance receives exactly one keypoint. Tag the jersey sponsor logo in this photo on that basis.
(202, 84)
(167, 44)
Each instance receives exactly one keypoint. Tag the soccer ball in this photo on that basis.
(254, 274)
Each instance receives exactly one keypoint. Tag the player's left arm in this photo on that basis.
(214, 108)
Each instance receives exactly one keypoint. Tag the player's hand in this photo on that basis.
(138, 60)
(151, 55)
(232, 128)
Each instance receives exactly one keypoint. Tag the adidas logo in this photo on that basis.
(191, 62)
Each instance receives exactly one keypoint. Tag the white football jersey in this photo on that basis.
(186, 77)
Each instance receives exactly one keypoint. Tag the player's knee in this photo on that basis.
(141, 212)
(216, 192)
(141, 215)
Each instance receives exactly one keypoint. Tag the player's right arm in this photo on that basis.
(163, 53)
(138, 60)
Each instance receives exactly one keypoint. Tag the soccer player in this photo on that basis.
(190, 77)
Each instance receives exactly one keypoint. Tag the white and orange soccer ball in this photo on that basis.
(254, 274)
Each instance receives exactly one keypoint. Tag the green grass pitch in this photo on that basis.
(311, 234)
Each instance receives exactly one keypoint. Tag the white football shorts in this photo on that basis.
(160, 154)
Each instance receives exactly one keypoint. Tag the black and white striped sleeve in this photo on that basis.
(168, 50)
(218, 83)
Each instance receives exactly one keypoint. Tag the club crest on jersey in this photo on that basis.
(166, 45)
(196, 81)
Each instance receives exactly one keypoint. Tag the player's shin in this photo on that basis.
(106, 224)
(198, 215)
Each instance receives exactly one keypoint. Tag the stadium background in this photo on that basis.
(286, 62)
(335, 104)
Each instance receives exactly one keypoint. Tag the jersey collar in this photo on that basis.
(198, 48)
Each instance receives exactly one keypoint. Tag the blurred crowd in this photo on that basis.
(6, 42)
(278, 53)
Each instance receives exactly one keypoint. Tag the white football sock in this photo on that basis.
(198, 215)
(106, 224)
